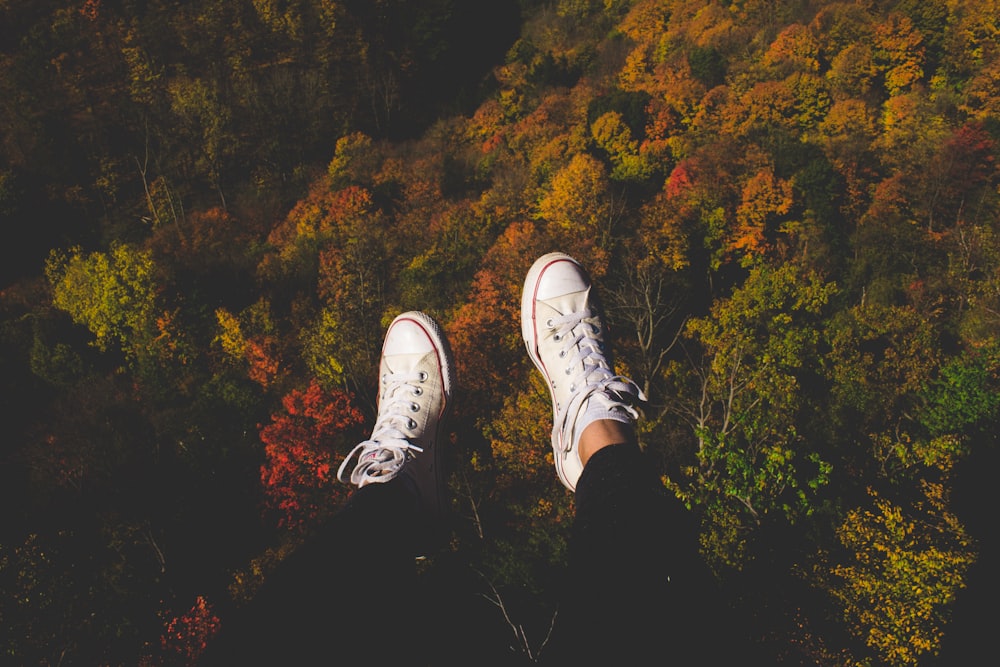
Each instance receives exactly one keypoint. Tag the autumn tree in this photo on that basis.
(852, 71)
(483, 333)
(488, 351)
(301, 446)
(699, 199)
(355, 277)
(962, 397)
(846, 135)
(794, 49)
(764, 199)
(615, 138)
(981, 96)
(29, 599)
(579, 206)
(909, 131)
(116, 296)
(335, 248)
(899, 52)
(354, 160)
(45, 569)
(839, 25)
(647, 306)
(186, 636)
(960, 179)
(904, 564)
(198, 105)
(249, 339)
(439, 277)
(666, 228)
(526, 512)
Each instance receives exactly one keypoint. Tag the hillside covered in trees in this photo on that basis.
(214, 208)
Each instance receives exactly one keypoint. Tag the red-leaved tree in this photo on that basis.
(301, 444)
(186, 636)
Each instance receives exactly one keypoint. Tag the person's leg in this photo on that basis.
(636, 586)
(636, 589)
(349, 593)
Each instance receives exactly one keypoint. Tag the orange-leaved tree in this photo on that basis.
(484, 332)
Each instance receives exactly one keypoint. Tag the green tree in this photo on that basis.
(742, 398)
(964, 396)
(201, 112)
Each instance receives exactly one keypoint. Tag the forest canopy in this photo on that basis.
(791, 209)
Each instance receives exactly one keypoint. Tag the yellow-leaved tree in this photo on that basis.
(114, 295)
(904, 565)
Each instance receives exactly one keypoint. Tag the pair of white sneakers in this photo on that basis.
(564, 333)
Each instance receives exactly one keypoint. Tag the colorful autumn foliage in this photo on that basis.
(791, 211)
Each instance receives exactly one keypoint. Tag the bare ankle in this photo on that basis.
(602, 433)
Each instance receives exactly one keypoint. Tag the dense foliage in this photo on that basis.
(791, 208)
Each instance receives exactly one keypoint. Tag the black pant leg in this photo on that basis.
(347, 594)
(637, 590)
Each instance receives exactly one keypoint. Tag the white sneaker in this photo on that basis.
(415, 384)
(565, 336)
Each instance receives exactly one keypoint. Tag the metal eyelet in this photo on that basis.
(562, 353)
(557, 337)
(568, 370)
(423, 376)
(549, 323)
(417, 391)
(414, 407)
(412, 424)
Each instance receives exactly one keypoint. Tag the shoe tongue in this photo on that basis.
(562, 304)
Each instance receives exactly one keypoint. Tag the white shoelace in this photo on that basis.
(381, 456)
(596, 380)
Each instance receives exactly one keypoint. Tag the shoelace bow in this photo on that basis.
(595, 380)
(384, 453)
